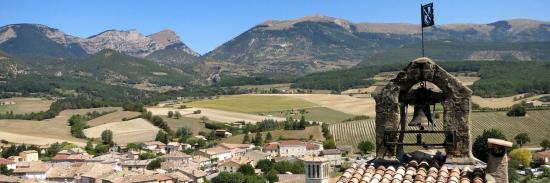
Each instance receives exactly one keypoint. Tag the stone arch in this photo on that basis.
(456, 105)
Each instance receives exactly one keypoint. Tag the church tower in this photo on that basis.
(317, 170)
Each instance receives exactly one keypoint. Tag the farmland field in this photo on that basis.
(112, 117)
(342, 103)
(536, 124)
(321, 114)
(194, 124)
(136, 130)
(44, 132)
(25, 105)
(253, 103)
(212, 114)
(287, 134)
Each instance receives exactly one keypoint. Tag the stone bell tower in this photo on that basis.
(391, 111)
(317, 170)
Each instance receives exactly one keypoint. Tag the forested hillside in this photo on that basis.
(497, 79)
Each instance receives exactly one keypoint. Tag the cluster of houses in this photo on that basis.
(124, 165)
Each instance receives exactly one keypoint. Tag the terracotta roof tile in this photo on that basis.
(5, 161)
(412, 172)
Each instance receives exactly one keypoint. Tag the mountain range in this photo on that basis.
(296, 47)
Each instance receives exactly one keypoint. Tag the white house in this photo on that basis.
(233, 164)
(218, 153)
(155, 146)
(292, 148)
(31, 170)
(334, 156)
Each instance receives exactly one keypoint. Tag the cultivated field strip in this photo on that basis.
(536, 124)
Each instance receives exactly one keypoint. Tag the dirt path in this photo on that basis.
(213, 114)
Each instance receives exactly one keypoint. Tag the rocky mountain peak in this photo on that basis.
(165, 38)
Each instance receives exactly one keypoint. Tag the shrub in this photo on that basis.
(517, 111)
(522, 155)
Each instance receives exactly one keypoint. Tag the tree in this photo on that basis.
(226, 177)
(133, 146)
(101, 148)
(204, 119)
(545, 144)
(264, 165)
(170, 114)
(255, 179)
(271, 176)
(246, 169)
(329, 144)
(177, 115)
(517, 110)
(246, 138)
(479, 147)
(258, 139)
(366, 146)
(302, 123)
(4, 170)
(268, 137)
(522, 138)
(107, 137)
(89, 146)
(183, 133)
(162, 136)
(155, 164)
(522, 155)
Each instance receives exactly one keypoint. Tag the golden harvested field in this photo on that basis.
(536, 124)
(287, 134)
(112, 117)
(501, 102)
(44, 132)
(342, 103)
(213, 114)
(136, 130)
(25, 105)
(252, 103)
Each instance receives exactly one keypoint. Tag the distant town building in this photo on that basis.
(30, 155)
(233, 164)
(293, 148)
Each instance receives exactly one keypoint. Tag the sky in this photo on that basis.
(205, 24)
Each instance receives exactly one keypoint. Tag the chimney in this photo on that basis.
(497, 164)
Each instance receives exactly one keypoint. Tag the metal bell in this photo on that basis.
(422, 116)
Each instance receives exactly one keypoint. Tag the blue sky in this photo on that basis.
(206, 24)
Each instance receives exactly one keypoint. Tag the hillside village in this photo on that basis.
(93, 92)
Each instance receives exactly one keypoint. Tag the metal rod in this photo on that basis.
(422, 30)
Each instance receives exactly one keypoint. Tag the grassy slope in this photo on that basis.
(253, 103)
(194, 124)
(536, 124)
(287, 134)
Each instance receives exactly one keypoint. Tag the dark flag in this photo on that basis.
(427, 11)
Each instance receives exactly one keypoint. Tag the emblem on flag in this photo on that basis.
(427, 11)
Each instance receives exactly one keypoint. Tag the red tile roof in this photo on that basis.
(5, 161)
(271, 147)
(410, 173)
(312, 146)
(291, 142)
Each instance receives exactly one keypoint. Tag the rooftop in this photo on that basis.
(411, 172)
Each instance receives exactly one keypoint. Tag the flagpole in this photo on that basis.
(422, 30)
